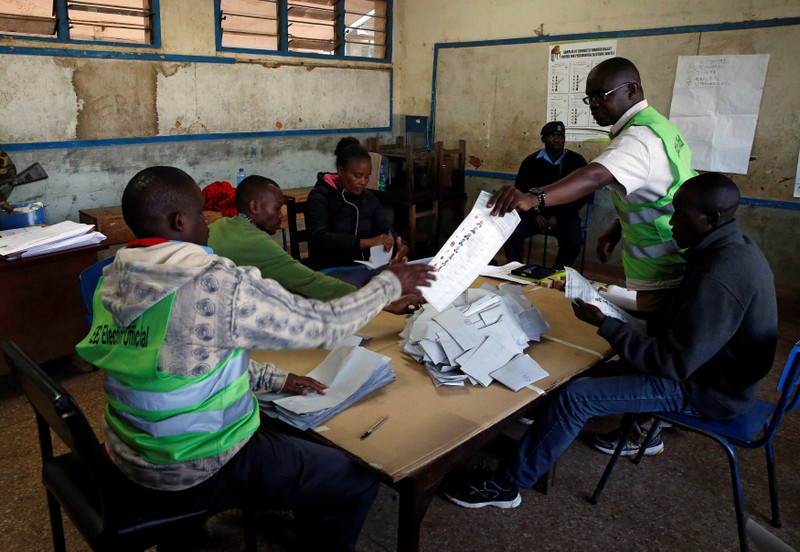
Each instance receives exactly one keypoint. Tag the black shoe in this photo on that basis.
(492, 490)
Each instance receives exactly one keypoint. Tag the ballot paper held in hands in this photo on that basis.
(470, 248)
(578, 287)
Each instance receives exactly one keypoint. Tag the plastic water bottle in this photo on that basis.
(240, 176)
(382, 176)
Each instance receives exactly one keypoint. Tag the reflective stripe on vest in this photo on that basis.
(206, 415)
(648, 215)
(180, 398)
(191, 422)
(650, 253)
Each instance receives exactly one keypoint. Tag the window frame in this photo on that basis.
(62, 30)
(283, 46)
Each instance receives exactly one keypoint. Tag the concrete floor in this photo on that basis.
(679, 500)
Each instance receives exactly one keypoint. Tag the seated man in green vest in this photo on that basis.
(173, 328)
(645, 163)
(246, 240)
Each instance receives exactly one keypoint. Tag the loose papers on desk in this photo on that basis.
(32, 241)
(349, 372)
(481, 337)
(469, 249)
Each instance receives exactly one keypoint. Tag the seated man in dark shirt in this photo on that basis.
(539, 169)
(704, 354)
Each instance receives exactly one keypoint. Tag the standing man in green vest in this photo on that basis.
(645, 163)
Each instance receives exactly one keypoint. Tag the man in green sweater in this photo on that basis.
(246, 239)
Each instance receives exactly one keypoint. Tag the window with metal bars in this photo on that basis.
(116, 21)
(340, 28)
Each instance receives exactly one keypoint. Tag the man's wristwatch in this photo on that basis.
(538, 192)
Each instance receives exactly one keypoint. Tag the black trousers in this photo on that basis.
(567, 232)
(328, 492)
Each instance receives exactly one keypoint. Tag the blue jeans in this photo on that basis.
(615, 389)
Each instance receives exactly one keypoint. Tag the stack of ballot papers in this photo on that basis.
(478, 339)
(39, 240)
(349, 372)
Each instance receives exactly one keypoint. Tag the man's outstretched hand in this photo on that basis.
(508, 198)
(413, 276)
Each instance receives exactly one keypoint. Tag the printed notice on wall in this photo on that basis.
(569, 65)
(715, 104)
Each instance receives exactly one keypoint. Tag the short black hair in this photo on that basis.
(713, 193)
(250, 188)
(348, 149)
(152, 196)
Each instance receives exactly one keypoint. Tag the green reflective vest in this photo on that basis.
(649, 252)
(167, 418)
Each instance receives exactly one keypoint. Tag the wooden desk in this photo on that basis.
(42, 308)
(109, 220)
(431, 430)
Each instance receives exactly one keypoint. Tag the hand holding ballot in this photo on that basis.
(587, 312)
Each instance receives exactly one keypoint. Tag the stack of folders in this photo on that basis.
(349, 372)
(478, 339)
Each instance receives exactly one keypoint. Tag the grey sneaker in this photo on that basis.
(607, 443)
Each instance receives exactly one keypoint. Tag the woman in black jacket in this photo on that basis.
(344, 219)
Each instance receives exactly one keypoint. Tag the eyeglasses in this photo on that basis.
(603, 95)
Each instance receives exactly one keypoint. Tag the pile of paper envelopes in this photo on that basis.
(349, 372)
(479, 338)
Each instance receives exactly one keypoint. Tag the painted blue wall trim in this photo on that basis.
(788, 21)
(65, 52)
(775, 204)
(488, 174)
(187, 138)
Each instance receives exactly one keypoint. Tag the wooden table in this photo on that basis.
(109, 220)
(42, 308)
(433, 430)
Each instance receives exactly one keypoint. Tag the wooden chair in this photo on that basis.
(294, 210)
(411, 188)
(450, 182)
(111, 512)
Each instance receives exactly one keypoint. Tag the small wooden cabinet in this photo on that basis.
(42, 308)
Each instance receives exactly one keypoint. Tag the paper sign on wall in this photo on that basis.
(715, 105)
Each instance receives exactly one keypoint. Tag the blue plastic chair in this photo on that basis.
(755, 428)
(88, 282)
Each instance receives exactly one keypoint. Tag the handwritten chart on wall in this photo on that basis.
(54, 99)
(715, 104)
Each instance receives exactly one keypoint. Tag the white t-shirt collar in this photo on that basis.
(636, 108)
